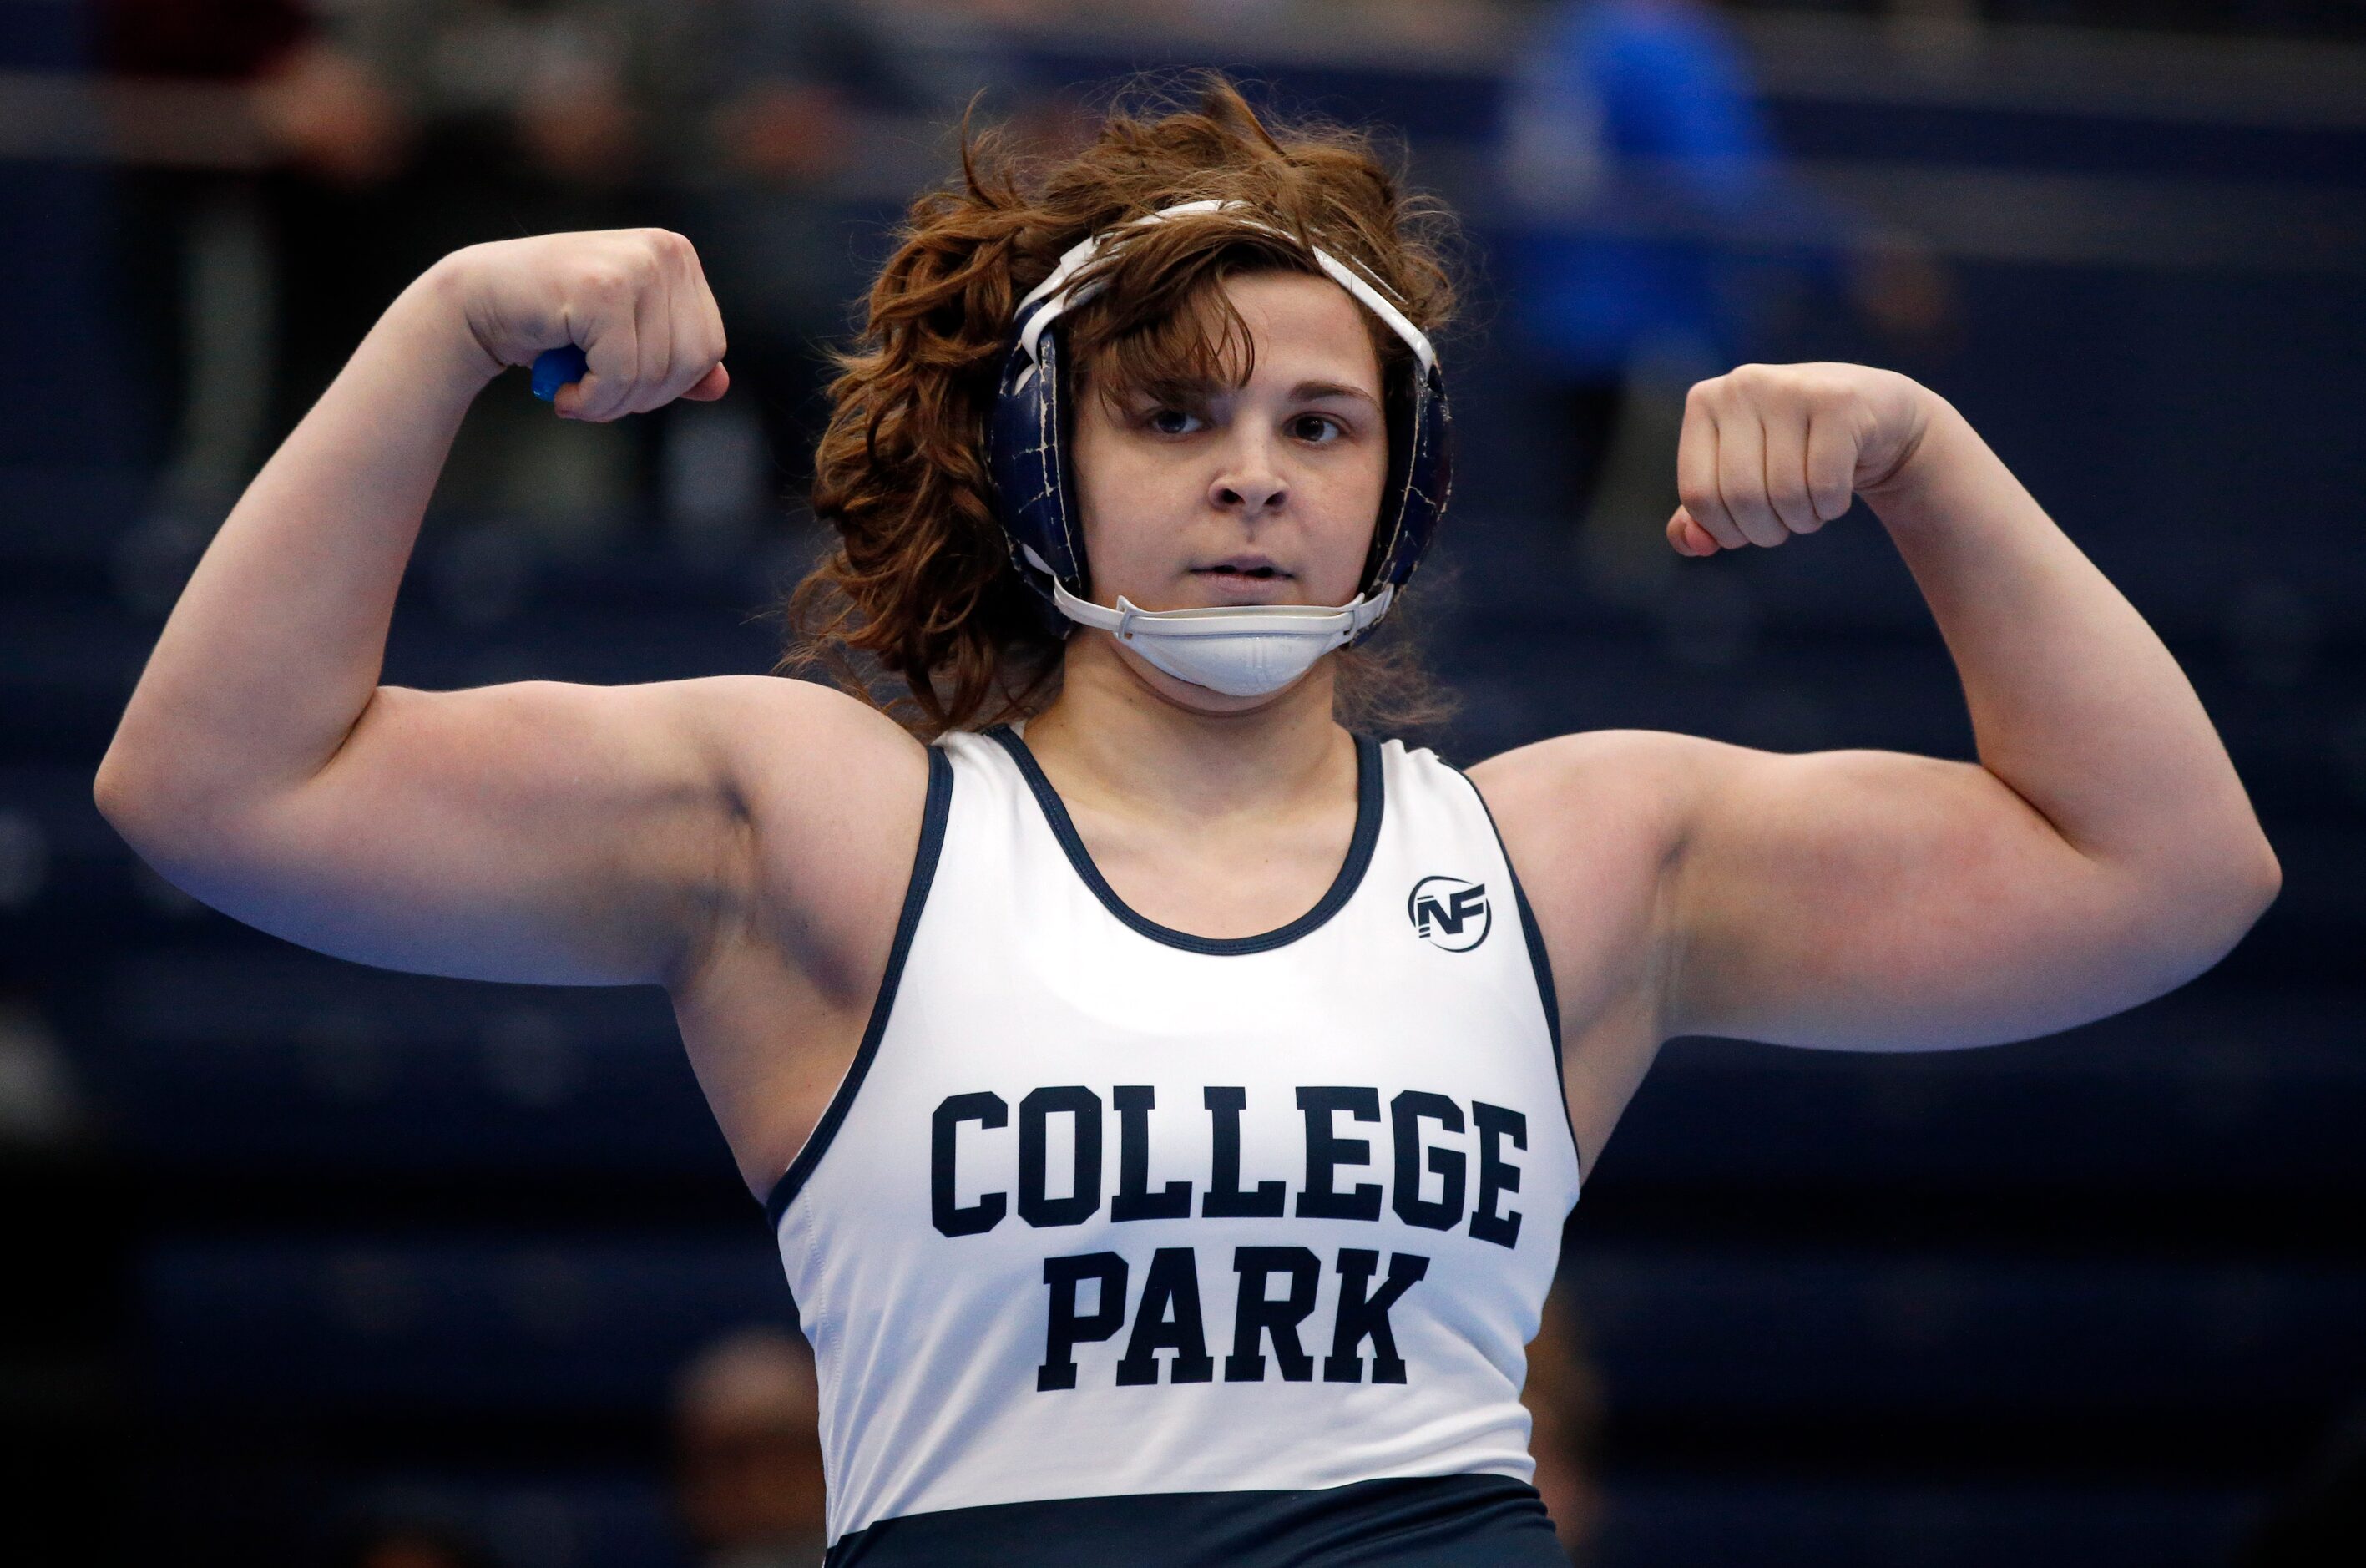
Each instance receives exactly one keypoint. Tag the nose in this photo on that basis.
(1249, 482)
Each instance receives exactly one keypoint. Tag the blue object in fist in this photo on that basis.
(554, 367)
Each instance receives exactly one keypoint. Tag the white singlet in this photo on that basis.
(1119, 1244)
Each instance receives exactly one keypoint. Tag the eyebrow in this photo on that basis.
(1315, 391)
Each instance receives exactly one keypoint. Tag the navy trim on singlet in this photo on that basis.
(1369, 807)
(1440, 1521)
(1539, 960)
(916, 896)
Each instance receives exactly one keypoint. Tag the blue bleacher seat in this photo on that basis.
(1660, 1522)
(1804, 1331)
(443, 1324)
(267, 1057)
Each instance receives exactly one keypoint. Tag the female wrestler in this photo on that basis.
(1166, 1100)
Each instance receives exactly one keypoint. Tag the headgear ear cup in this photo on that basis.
(1421, 481)
(1027, 458)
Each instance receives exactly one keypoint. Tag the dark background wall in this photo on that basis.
(287, 1232)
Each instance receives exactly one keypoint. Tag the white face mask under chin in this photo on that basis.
(1242, 650)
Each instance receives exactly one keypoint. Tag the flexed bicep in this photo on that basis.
(540, 831)
(1871, 900)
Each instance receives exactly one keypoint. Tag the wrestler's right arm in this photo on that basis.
(534, 831)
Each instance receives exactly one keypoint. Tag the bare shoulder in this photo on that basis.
(1595, 823)
(830, 788)
(784, 738)
(826, 799)
(1635, 789)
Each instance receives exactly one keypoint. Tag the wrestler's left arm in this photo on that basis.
(2100, 851)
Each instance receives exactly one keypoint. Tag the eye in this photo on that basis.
(1317, 429)
(1173, 421)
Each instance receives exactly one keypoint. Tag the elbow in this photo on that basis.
(114, 793)
(2271, 876)
(189, 822)
(2213, 904)
(129, 793)
(146, 808)
(164, 828)
(2246, 879)
(2254, 885)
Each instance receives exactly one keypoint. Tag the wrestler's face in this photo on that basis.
(1265, 493)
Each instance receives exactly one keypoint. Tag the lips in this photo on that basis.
(1234, 583)
(1253, 568)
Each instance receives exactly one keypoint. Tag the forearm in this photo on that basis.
(276, 645)
(2076, 705)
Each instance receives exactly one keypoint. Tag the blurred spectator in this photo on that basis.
(42, 1107)
(1644, 173)
(1563, 1394)
(199, 275)
(379, 135)
(409, 1544)
(422, 125)
(531, 94)
(764, 111)
(747, 1468)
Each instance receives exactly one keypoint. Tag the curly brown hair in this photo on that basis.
(919, 587)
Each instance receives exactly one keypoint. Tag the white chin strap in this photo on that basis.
(1242, 650)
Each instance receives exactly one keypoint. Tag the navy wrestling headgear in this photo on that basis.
(1034, 485)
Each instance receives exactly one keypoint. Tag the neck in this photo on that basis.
(1113, 735)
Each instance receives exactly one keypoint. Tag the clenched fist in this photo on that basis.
(1772, 450)
(634, 299)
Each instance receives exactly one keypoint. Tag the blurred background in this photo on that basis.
(312, 1263)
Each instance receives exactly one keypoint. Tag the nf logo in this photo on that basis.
(1449, 912)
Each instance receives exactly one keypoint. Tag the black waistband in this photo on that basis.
(1448, 1521)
